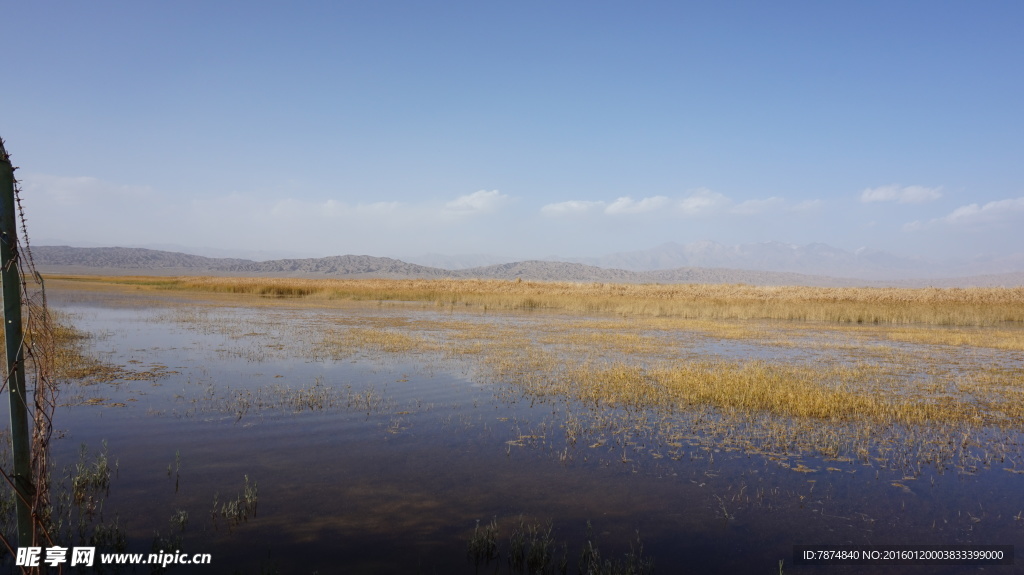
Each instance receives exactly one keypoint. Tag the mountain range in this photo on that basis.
(813, 259)
(119, 260)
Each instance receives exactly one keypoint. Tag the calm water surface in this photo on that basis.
(393, 476)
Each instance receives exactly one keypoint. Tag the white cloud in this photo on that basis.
(627, 205)
(291, 207)
(807, 206)
(901, 194)
(992, 212)
(572, 207)
(382, 213)
(697, 203)
(976, 215)
(702, 201)
(751, 207)
(334, 207)
(81, 190)
(480, 202)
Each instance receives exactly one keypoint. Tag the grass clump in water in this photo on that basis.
(483, 545)
(239, 509)
(91, 478)
(533, 549)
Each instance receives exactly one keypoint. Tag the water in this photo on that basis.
(410, 452)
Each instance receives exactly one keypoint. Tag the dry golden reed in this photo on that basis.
(938, 306)
(834, 393)
(633, 371)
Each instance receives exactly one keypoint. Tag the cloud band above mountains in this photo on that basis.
(95, 212)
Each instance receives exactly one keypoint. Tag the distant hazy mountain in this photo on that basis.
(255, 255)
(575, 272)
(348, 265)
(64, 259)
(126, 258)
(115, 260)
(458, 262)
(815, 259)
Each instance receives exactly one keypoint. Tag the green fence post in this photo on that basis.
(15, 359)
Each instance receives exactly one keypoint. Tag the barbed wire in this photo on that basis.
(38, 346)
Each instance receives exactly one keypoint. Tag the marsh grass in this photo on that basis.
(337, 343)
(91, 479)
(73, 366)
(633, 563)
(70, 360)
(172, 541)
(833, 393)
(952, 306)
(79, 516)
(533, 549)
(483, 544)
(317, 396)
(1005, 339)
(866, 407)
(238, 510)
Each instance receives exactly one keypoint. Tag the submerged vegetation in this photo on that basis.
(238, 510)
(532, 549)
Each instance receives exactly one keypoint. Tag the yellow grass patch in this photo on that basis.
(951, 306)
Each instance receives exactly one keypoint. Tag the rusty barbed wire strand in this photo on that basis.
(37, 353)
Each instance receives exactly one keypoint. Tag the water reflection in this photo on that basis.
(374, 461)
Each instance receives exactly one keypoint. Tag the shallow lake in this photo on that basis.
(385, 461)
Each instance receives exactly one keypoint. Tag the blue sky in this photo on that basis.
(524, 128)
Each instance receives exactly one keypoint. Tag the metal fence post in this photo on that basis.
(15, 359)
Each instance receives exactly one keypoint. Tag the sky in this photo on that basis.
(525, 129)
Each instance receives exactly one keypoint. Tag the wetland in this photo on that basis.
(299, 426)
